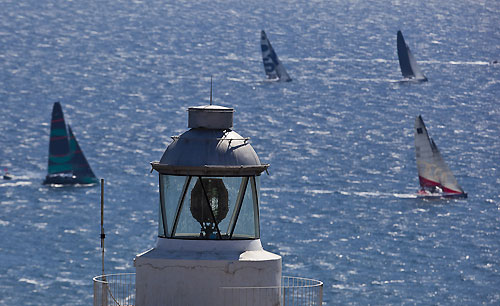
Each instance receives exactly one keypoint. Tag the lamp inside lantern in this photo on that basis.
(209, 205)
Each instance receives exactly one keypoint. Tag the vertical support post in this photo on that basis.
(104, 296)
(102, 224)
(320, 295)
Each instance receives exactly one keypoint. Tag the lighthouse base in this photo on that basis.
(207, 272)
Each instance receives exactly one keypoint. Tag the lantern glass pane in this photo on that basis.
(245, 226)
(206, 199)
(171, 192)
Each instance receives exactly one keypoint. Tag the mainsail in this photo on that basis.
(432, 169)
(59, 153)
(67, 164)
(407, 62)
(272, 65)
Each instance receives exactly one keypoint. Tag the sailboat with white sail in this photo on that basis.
(275, 71)
(407, 62)
(67, 164)
(435, 177)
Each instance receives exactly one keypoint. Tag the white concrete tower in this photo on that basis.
(209, 232)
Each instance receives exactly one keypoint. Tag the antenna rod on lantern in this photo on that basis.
(102, 224)
(210, 90)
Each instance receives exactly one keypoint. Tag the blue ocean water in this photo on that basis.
(338, 202)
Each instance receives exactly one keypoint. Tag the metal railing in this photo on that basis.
(294, 291)
(119, 290)
(114, 290)
(301, 291)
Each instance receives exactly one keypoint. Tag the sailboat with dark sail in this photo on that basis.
(67, 163)
(407, 62)
(275, 71)
(436, 179)
(6, 175)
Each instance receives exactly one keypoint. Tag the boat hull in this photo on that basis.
(69, 180)
(442, 195)
(414, 80)
(273, 80)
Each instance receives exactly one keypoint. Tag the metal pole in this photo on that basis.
(104, 297)
(102, 224)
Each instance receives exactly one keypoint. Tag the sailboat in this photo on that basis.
(67, 164)
(275, 71)
(436, 179)
(408, 64)
(6, 175)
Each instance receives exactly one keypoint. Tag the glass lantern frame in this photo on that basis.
(248, 183)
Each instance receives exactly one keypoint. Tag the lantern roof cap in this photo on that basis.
(210, 117)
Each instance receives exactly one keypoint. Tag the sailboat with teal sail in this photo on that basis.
(67, 163)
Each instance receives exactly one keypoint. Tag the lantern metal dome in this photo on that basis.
(210, 147)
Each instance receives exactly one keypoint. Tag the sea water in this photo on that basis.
(338, 203)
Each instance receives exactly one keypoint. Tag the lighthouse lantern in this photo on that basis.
(208, 224)
(208, 207)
